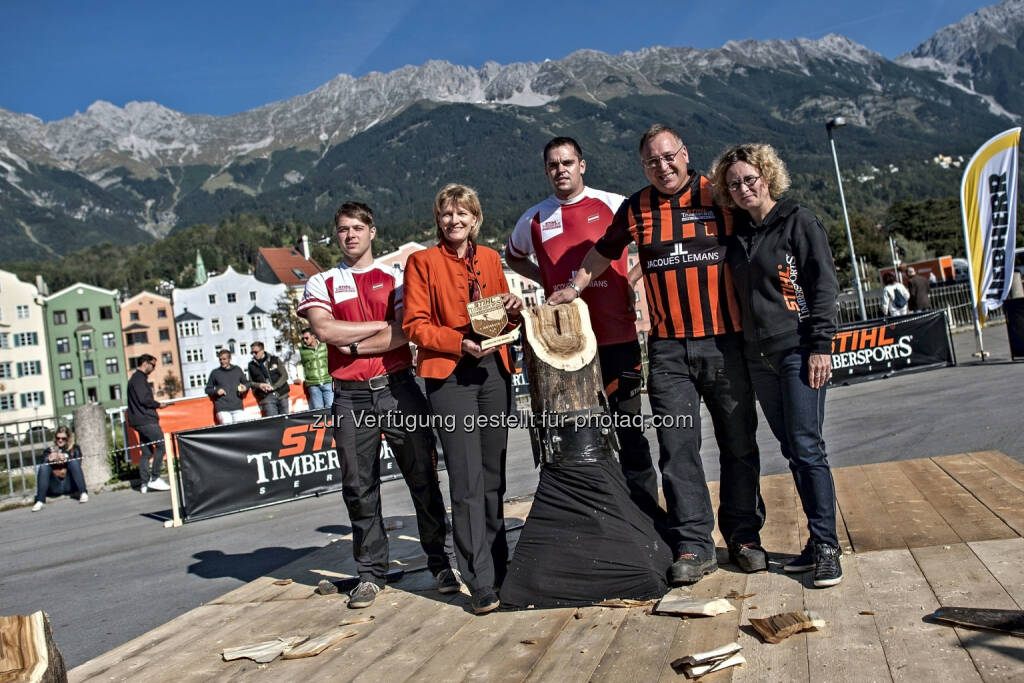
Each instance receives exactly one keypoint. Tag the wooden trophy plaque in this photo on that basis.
(489, 321)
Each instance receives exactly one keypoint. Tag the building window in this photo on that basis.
(64, 369)
(133, 316)
(195, 356)
(63, 345)
(5, 340)
(165, 334)
(243, 349)
(89, 368)
(189, 328)
(109, 340)
(232, 298)
(252, 296)
(166, 358)
(83, 315)
(90, 395)
(195, 381)
(133, 338)
(22, 311)
(112, 367)
(32, 399)
(7, 402)
(115, 392)
(85, 341)
(161, 312)
(28, 368)
(240, 322)
(214, 325)
(256, 321)
(69, 397)
(107, 313)
(5, 370)
(213, 299)
(26, 339)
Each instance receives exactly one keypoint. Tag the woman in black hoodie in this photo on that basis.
(786, 281)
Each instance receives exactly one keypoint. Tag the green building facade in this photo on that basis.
(85, 342)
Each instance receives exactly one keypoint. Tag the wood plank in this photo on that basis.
(867, 520)
(1003, 559)
(850, 641)
(1003, 465)
(900, 597)
(638, 652)
(577, 650)
(784, 530)
(701, 635)
(492, 647)
(915, 518)
(1000, 496)
(958, 578)
(964, 513)
(775, 593)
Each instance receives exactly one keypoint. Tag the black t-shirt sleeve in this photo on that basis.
(617, 237)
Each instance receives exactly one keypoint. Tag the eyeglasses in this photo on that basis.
(58, 466)
(655, 162)
(749, 181)
(60, 438)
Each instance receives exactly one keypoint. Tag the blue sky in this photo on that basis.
(227, 56)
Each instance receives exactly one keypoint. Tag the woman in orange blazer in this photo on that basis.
(466, 381)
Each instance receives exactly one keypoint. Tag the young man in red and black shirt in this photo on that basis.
(561, 230)
(695, 350)
(356, 309)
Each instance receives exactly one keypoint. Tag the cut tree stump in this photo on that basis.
(27, 650)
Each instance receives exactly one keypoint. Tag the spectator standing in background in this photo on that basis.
(269, 380)
(227, 385)
(918, 286)
(143, 419)
(319, 383)
(895, 297)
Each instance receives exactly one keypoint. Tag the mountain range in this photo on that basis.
(133, 174)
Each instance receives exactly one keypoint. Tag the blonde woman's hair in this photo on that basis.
(762, 157)
(460, 195)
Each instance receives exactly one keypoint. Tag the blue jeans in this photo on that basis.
(321, 395)
(274, 405)
(796, 413)
(682, 372)
(49, 484)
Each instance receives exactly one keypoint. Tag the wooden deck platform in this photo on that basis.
(918, 534)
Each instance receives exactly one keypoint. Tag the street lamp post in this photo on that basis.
(838, 122)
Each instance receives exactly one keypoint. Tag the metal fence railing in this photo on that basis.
(954, 298)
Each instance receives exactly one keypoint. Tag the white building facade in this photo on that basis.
(229, 311)
(24, 368)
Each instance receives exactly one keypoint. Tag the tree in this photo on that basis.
(288, 323)
(171, 385)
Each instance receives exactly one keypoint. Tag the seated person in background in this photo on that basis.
(227, 385)
(62, 458)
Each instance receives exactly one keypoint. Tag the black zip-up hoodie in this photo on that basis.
(786, 280)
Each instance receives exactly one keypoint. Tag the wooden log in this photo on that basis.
(28, 653)
(561, 359)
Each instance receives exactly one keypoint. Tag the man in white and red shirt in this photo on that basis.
(560, 231)
(355, 308)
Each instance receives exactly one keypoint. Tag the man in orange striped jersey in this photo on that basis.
(695, 351)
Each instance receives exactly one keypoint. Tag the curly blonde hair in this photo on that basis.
(460, 195)
(759, 155)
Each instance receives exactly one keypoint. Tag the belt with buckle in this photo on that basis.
(374, 383)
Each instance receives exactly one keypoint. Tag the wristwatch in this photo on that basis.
(353, 348)
(576, 288)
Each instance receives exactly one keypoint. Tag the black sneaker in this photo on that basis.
(749, 558)
(827, 570)
(689, 568)
(363, 595)
(804, 562)
(485, 601)
(447, 581)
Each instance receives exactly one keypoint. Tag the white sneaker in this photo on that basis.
(159, 484)
(143, 489)
(38, 506)
(84, 498)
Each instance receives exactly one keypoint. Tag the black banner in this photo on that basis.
(879, 348)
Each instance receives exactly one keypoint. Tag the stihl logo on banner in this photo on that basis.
(869, 345)
(294, 459)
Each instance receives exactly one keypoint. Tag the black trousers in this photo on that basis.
(152, 434)
(477, 391)
(623, 382)
(399, 411)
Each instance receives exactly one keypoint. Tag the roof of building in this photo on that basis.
(256, 310)
(136, 326)
(288, 264)
(186, 316)
(130, 300)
